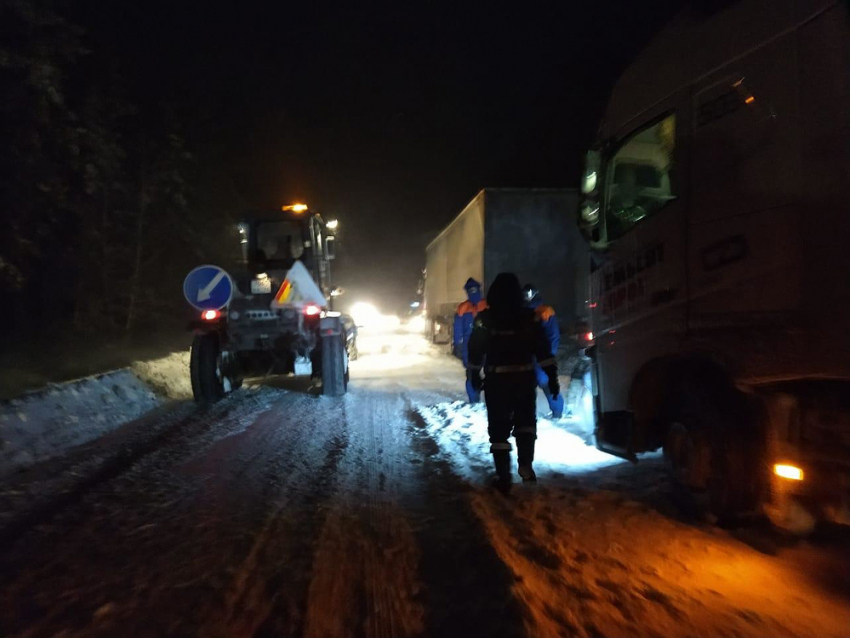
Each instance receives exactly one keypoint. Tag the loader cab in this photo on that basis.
(272, 241)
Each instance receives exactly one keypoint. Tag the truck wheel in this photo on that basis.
(205, 369)
(712, 453)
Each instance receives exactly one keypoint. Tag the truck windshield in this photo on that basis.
(280, 241)
(639, 177)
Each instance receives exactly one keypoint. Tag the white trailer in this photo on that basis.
(716, 202)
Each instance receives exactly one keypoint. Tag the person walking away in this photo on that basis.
(547, 318)
(464, 318)
(506, 343)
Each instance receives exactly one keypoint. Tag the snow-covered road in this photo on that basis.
(280, 513)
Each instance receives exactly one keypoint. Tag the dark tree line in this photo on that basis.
(103, 204)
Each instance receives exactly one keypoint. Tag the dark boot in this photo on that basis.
(502, 462)
(525, 456)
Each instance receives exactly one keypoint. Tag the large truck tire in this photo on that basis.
(205, 369)
(334, 358)
(714, 455)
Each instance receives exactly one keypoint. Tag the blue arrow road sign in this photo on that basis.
(208, 288)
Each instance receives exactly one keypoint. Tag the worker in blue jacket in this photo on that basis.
(546, 316)
(464, 318)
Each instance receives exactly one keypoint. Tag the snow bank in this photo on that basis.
(168, 376)
(42, 424)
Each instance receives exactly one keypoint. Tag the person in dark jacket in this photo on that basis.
(547, 318)
(506, 342)
(464, 318)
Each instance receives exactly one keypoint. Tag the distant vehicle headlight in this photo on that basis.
(364, 314)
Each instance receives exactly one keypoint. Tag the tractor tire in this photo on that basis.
(205, 369)
(334, 365)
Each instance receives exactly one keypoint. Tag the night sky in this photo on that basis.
(389, 117)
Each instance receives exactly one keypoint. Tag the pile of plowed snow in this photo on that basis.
(42, 424)
(168, 376)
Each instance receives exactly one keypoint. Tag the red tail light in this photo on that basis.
(588, 336)
(210, 315)
(311, 310)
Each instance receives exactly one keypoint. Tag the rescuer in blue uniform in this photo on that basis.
(464, 317)
(546, 316)
(507, 343)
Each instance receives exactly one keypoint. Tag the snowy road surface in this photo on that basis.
(280, 513)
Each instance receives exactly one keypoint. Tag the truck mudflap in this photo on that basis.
(614, 434)
(334, 358)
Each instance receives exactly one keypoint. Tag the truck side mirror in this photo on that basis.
(330, 247)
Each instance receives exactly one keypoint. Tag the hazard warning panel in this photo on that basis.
(298, 289)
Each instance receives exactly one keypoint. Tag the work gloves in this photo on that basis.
(554, 385)
(475, 380)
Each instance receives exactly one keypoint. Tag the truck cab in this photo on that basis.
(715, 205)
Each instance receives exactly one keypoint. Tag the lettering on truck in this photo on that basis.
(624, 283)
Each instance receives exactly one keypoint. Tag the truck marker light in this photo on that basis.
(750, 100)
(311, 310)
(210, 315)
(788, 471)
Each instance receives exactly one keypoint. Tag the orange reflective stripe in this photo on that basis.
(481, 305)
(544, 313)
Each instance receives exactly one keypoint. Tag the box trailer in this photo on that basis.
(530, 232)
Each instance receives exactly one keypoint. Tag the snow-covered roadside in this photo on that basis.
(594, 551)
(595, 562)
(460, 429)
(42, 424)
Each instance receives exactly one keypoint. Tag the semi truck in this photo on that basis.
(530, 232)
(715, 204)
